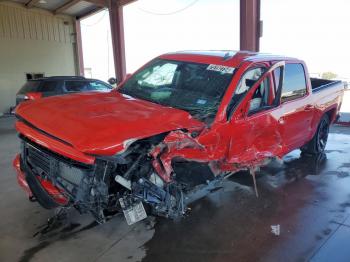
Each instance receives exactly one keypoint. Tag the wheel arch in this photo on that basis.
(332, 114)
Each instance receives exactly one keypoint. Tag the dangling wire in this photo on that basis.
(169, 13)
(98, 21)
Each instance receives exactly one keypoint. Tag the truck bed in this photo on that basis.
(318, 84)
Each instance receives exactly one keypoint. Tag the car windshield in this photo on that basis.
(30, 86)
(193, 87)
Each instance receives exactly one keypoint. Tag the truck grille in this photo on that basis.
(38, 159)
(54, 167)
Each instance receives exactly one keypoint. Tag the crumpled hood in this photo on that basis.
(99, 123)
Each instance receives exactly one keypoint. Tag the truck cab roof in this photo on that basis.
(224, 57)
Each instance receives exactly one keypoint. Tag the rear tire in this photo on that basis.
(318, 142)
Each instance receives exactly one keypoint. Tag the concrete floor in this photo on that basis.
(309, 198)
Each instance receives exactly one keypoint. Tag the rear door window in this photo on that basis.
(30, 86)
(294, 84)
(49, 86)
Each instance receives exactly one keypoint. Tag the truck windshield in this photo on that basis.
(195, 88)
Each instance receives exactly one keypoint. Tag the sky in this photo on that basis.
(97, 46)
(153, 27)
(317, 31)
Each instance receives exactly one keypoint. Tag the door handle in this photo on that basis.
(308, 107)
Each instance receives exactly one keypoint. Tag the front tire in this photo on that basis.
(318, 143)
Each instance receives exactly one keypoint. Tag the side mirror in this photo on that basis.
(112, 81)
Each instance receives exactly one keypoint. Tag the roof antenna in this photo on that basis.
(227, 56)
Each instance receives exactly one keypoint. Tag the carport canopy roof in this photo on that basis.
(76, 8)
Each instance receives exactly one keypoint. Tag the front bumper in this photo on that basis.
(42, 190)
(54, 180)
(21, 176)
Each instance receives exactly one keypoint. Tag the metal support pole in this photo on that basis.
(250, 26)
(118, 42)
(79, 48)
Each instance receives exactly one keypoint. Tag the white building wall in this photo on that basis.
(32, 41)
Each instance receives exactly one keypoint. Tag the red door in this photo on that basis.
(256, 135)
(297, 107)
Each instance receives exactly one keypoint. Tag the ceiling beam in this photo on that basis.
(62, 8)
(125, 2)
(90, 13)
(31, 3)
(101, 3)
(65, 6)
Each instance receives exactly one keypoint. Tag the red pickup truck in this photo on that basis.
(171, 131)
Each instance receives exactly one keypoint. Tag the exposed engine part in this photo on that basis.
(155, 179)
(124, 182)
(167, 201)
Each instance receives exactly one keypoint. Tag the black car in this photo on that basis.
(59, 85)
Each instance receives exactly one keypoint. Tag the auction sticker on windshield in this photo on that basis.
(222, 69)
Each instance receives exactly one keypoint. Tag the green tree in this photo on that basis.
(329, 75)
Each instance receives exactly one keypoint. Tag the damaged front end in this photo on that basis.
(138, 181)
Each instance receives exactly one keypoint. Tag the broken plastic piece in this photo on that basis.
(124, 182)
(252, 172)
